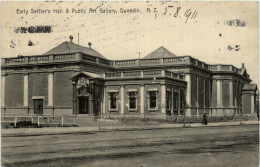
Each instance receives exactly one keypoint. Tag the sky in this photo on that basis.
(208, 31)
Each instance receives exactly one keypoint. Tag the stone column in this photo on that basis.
(231, 98)
(50, 89)
(204, 94)
(179, 101)
(74, 100)
(219, 93)
(172, 102)
(142, 99)
(3, 90)
(188, 93)
(252, 104)
(91, 103)
(197, 104)
(25, 89)
(122, 98)
(209, 93)
(163, 98)
(104, 100)
(231, 105)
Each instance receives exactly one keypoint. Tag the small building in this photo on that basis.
(249, 95)
(73, 79)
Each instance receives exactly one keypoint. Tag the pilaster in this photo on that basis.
(231, 105)
(188, 92)
(219, 93)
(3, 77)
(142, 99)
(74, 100)
(252, 104)
(50, 89)
(179, 101)
(163, 98)
(172, 100)
(122, 100)
(104, 100)
(25, 89)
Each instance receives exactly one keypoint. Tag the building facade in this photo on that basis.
(72, 79)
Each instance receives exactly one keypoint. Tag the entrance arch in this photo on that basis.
(87, 93)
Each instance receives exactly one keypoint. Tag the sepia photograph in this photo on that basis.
(129, 83)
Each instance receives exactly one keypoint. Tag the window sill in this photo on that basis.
(132, 110)
(153, 110)
(111, 110)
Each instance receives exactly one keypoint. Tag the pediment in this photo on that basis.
(86, 75)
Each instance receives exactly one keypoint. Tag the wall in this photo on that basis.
(214, 94)
(38, 86)
(246, 101)
(193, 90)
(225, 93)
(14, 90)
(201, 92)
(62, 89)
(207, 92)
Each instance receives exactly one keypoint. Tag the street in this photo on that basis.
(204, 146)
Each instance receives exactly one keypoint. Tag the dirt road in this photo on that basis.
(205, 146)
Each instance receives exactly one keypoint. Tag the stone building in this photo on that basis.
(72, 79)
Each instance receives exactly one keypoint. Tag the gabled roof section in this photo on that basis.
(242, 71)
(249, 87)
(161, 52)
(88, 74)
(70, 47)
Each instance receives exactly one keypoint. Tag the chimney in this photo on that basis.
(243, 65)
(89, 44)
(71, 39)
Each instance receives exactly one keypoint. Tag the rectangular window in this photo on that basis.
(152, 100)
(113, 100)
(132, 101)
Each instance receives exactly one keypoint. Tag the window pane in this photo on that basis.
(152, 99)
(113, 100)
(132, 100)
(132, 104)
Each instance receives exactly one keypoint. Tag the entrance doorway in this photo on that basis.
(38, 106)
(83, 104)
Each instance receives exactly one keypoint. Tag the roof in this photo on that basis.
(160, 53)
(250, 87)
(70, 47)
(89, 74)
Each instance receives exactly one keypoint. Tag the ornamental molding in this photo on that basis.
(82, 83)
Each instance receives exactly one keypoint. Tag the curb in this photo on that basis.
(116, 129)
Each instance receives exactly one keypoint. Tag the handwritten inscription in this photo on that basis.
(176, 12)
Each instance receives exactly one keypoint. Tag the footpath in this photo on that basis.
(16, 132)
